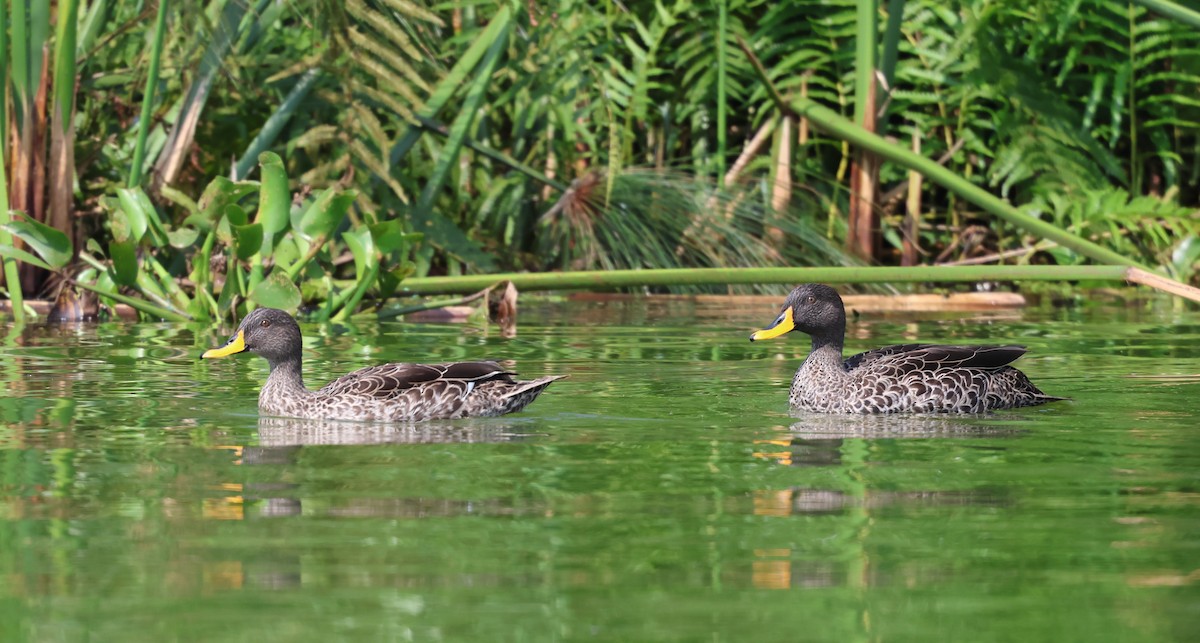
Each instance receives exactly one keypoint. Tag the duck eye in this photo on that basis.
(264, 323)
(812, 300)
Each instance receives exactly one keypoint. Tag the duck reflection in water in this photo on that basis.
(282, 440)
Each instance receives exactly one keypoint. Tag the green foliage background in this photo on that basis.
(468, 122)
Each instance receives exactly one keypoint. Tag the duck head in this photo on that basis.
(267, 332)
(815, 309)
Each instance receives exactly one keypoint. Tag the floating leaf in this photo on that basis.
(276, 291)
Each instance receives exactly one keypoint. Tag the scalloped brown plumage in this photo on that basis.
(917, 378)
(396, 392)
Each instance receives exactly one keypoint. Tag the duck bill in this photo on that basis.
(783, 324)
(236, 344)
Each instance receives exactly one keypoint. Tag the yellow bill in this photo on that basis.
(783, 324)
(236, 344)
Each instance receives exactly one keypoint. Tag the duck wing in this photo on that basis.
(391, 380)
(930, 357)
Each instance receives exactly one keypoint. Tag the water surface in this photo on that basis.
(662, 492)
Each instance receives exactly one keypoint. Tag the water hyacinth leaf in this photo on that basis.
(390, 281)
(199, 221)
(236, 214)
(276, 291)
(389, 236)
(225, 232)
(182, 237)
(324, 214)
(216, 194)
(221, 192)
(286, 251)
(247, 240)
(10, 252)
(180, 199)
(49, 243)
(152, 218)
(362, 246)
(124, 260)
(134, 214)
(275, 200)
(118, 223)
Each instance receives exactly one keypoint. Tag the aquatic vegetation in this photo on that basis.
(474, 124)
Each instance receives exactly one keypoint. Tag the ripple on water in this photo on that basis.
(662, 492)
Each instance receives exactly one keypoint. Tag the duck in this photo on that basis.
(905, 378)
(396, 392)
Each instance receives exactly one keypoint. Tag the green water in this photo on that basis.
(661, 493)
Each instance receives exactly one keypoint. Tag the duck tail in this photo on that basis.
(533, 386)
(525, 392)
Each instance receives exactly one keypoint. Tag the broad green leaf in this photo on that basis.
(286, 251)
(315, 289)
(389, 236)
(225, 232)
(275, 200)
(247, 240)
(390, 281)
(51, 244)
(124, 259)
(200, 221)
(362, 247)
(180, 199)
(236, 214)
(324, 214)
(276, 291)
(221, 192)
(183, 237)
(22, 256)
(118, 222)
(156, 224)
(135, 213)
